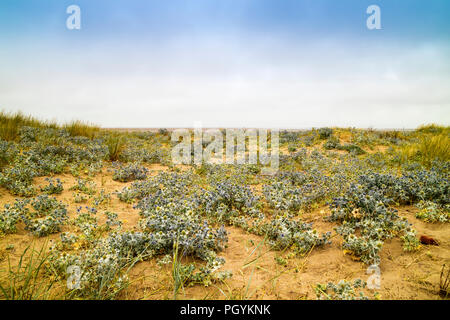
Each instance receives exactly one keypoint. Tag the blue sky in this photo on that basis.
(228, 63)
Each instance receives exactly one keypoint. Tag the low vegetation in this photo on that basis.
(336, 189)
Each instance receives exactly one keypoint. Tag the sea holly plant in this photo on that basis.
(366, 207)
(10, 216)
(432, 212)
(53, 187)
(284, 232)
(363, 248)
(343, 290)
(228, 199)
(112, 220)
(130, 172)
(79, 197)
(86, 221)
(294, 191)
(410, 241)
(47, 218)
(18, 179)
(103, 267)
(102, 199)
(139, 190)
(177, 221)
(84, 186)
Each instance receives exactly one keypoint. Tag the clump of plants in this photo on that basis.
(284, 232)
(8, 151)
(178, 222)
(47, 218)
(100, 270)
(86, 221)
(325, 133)
(228, 199)
(143, 153)
(79, 197)
(427, 149)
(185, 275)
(333, 143)
(53, 187)
(115, 145)
(285, 196)
(102, 199)
(289, 137)
(410, 241)
(343, 290)
(10, 216)
(364, 248)
(432, 212)
(294, 191)
(18, 180)
(112, 220)
(27, 280)
(365, 207)
(130, 172)
(138, 190)
(84, 186)
(164, 182)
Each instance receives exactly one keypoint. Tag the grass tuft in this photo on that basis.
(11, 122)
(80, 128)
(116, 144)
(26, 280)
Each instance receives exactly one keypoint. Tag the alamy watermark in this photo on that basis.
(74, 277)
(373, 22)
(73, 22)
(374, 280)
(229, 146)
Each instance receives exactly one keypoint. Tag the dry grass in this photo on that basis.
(433, 129)
(428, 148)
(79, 128)
(434, 147)
(116, 144)
(444, 282)
(11, 122)
(25, 281)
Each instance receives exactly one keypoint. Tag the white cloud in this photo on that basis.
(232, 82)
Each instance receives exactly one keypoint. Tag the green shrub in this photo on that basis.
(432, 212)
(80, 128)
(325, 133)
(116, 145)
(364, 248)
(343, 290)
(331, 143)
(352, 148)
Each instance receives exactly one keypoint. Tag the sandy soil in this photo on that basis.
(256, 273)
